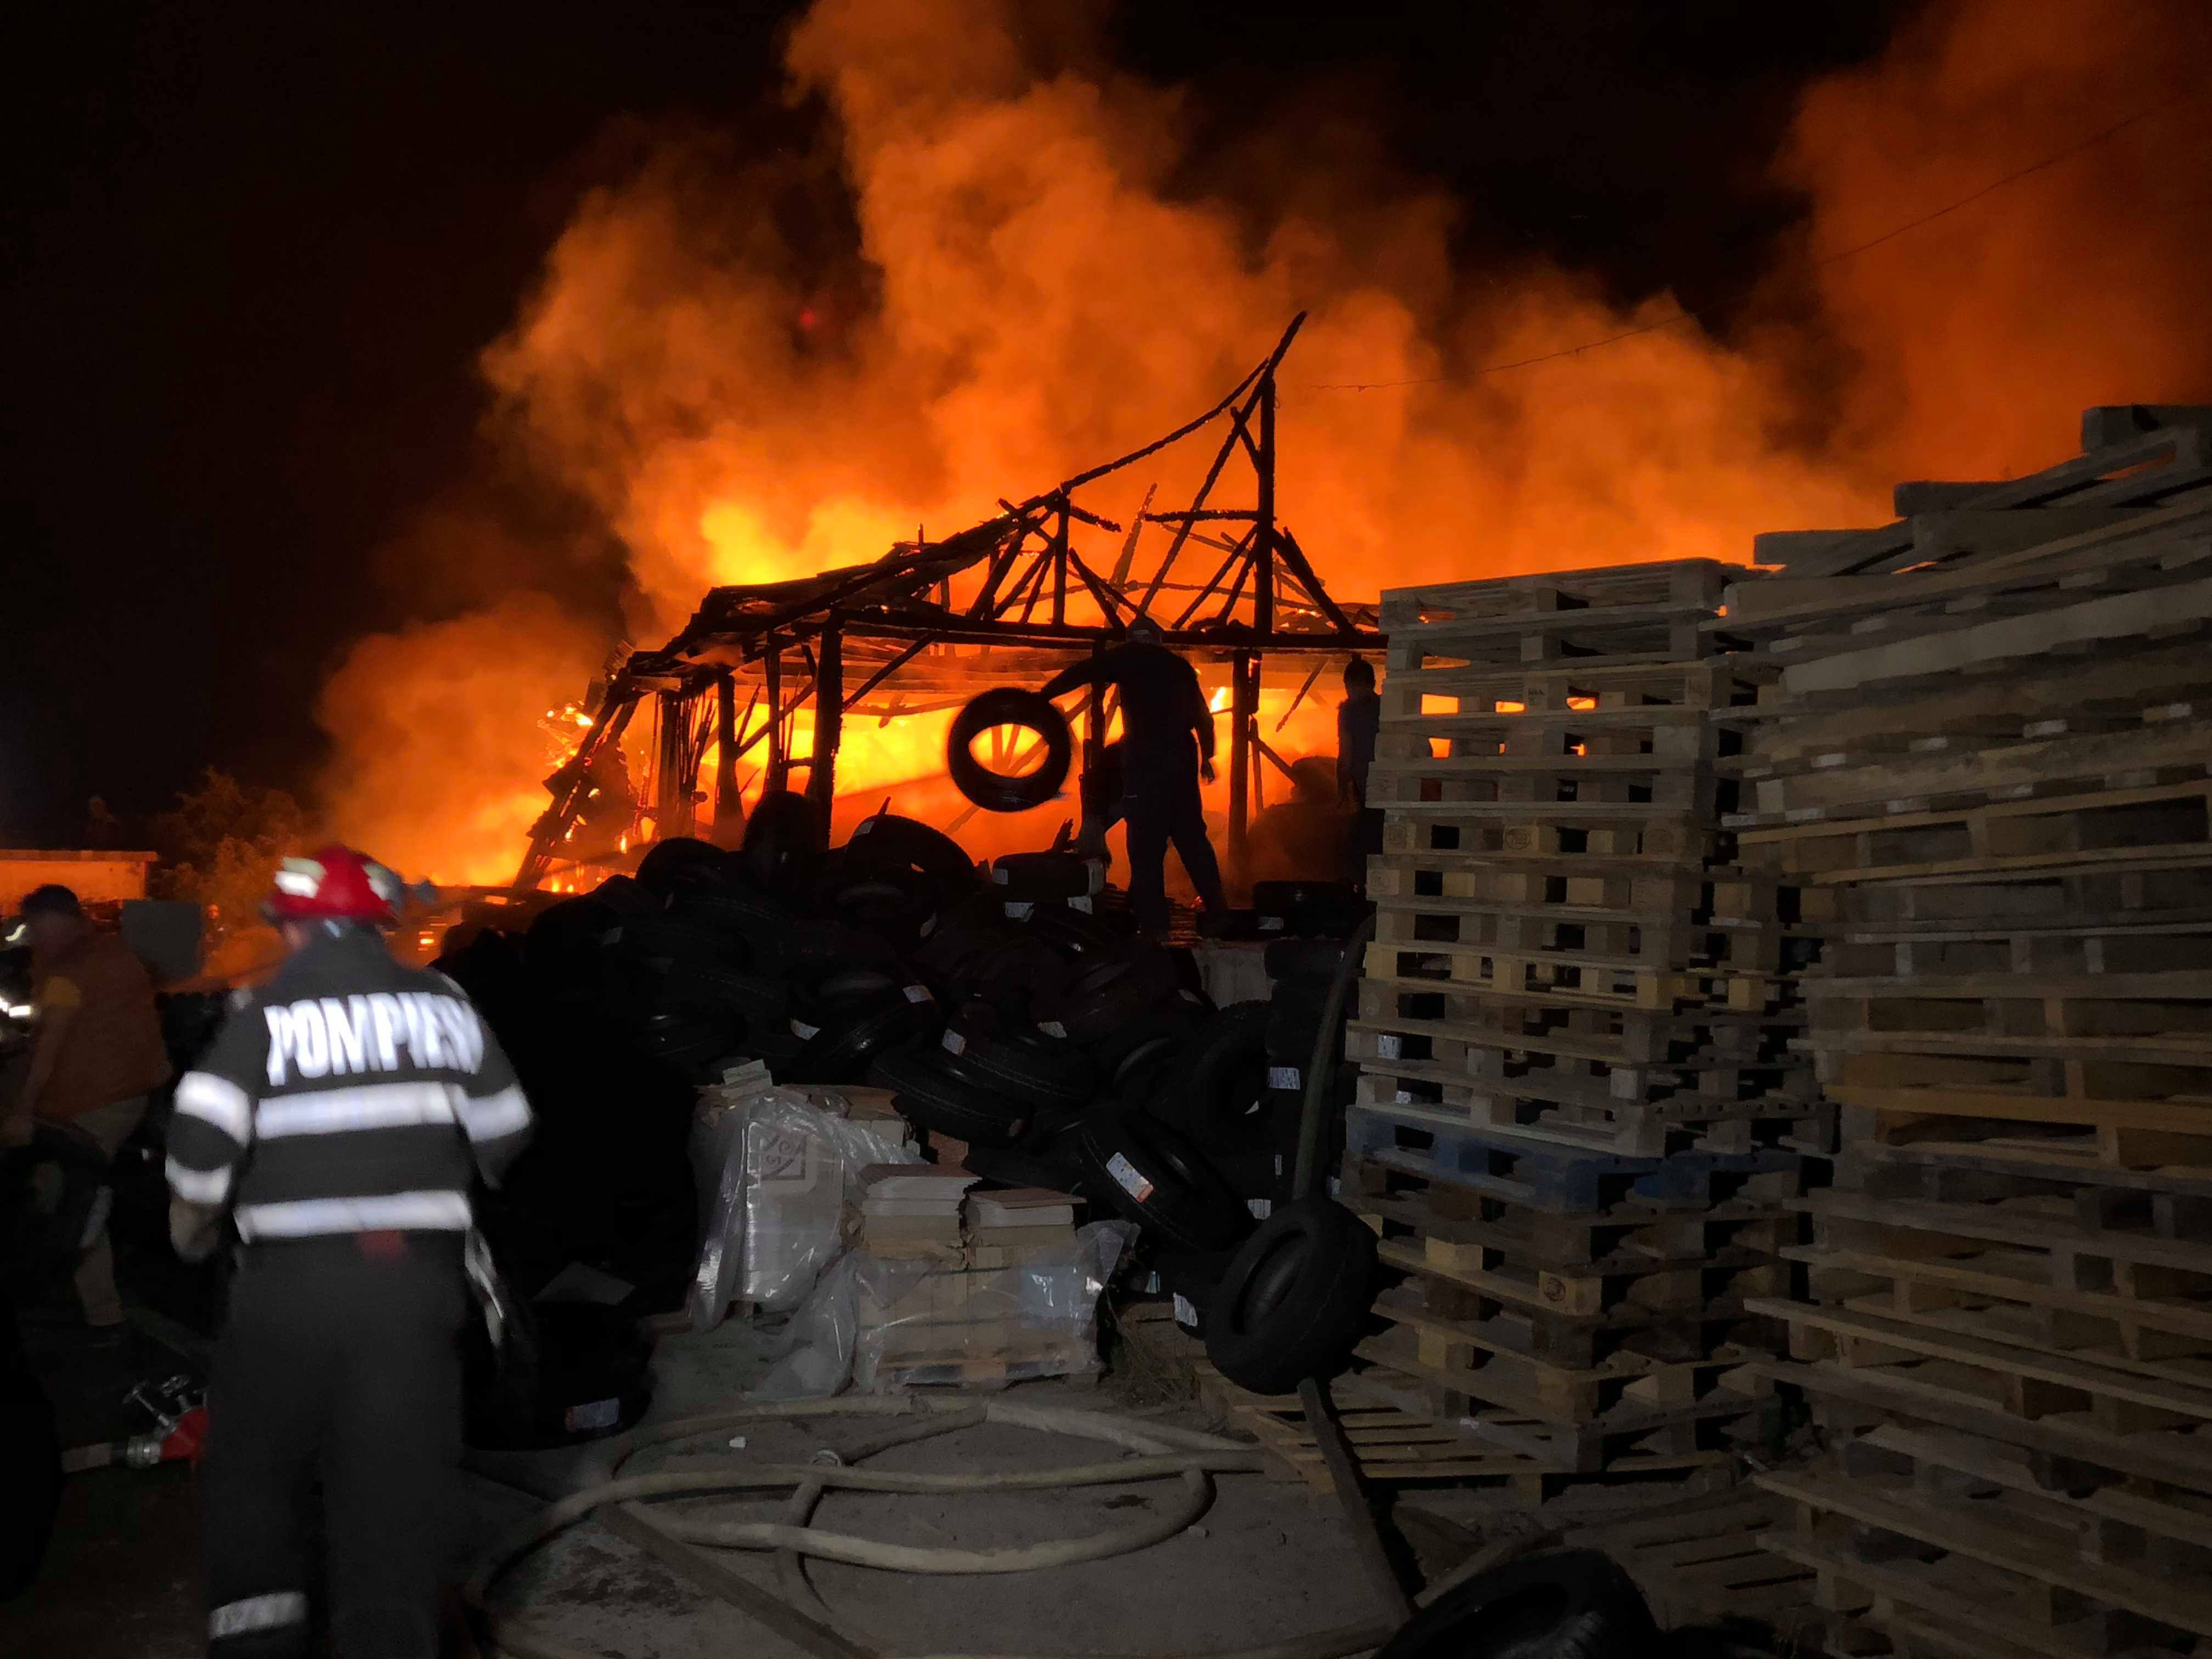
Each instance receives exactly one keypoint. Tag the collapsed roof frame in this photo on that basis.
(896, 621)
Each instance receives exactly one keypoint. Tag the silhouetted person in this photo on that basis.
(1359, 724)
(99, 1055)
(1167, 744)
(1359, 721)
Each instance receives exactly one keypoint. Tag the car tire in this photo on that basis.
(681, 862)
(1310, 909)
(928, 1094)
(626, 897)
(1047, 1073)
(565, 937)
(1304, 960)
(1106, 996)
(1293, 1297)
(844, 1053)
(1159, 1180)
(1055, 1167)
(1043, 877)
(1008, 705)
(784, 841)
(890, 842)
(1571, 1604)
(1219, 1097)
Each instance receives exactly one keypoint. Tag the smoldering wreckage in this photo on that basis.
(1728, 1161)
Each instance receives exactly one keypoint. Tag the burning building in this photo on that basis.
(911, 637)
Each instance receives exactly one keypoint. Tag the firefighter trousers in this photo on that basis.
(1161, 809)
(340, 1370)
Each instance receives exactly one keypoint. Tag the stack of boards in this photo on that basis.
(1580, 1117)
(994, 1295)
(1986, 744)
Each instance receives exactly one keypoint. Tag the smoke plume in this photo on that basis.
(742, 398)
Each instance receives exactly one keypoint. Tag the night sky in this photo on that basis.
(253, 254)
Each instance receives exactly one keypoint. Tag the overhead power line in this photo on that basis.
(1687, 315)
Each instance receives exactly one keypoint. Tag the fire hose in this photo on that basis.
(1151, 1451)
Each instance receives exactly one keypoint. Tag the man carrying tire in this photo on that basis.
(341, 1115)
(1167, 745)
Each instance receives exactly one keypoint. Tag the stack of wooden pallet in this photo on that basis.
(1991, 740)
(1578, 1111)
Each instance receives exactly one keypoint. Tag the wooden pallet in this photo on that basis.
(1629, 786)
(1626, 1233)
(1627, 835)
(1561, 1405)
(2008, 1549)
(1399, 1448)
(1976, 1171)
(2123, 1135)
(1449, 1106)
(1946, 1607)
(1694, 1422)
(1592, 937)
(1701, 1561)
(2026, 1382)
(2165, 1527)
(1549, 1174)
(2143, 1297)
(1424, 696)
(1622, 891)
(1576, 1029)
(2113, 826)
(2077, 759)
(1584, 979)
(1435, 1049)
(1573, 1361)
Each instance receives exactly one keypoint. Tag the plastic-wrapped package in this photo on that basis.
(772, 1165)
(916, 1325)
(890, 1325)
(817, 1359)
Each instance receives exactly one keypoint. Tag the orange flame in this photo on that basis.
(1040, 299)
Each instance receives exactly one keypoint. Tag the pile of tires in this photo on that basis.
(1014, 1012)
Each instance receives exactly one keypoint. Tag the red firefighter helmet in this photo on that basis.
(333, 884)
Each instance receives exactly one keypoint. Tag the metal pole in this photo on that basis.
(1242, 704)
(772, 671)
(1059, 566)
(678, 779)
(1263, 539)
(729, 799)
(828, 717)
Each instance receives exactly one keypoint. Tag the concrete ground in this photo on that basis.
(1267, 1560)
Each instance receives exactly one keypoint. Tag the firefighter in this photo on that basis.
(1167, 745)
(339, 1118)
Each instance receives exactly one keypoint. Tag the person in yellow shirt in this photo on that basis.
(98, 1055)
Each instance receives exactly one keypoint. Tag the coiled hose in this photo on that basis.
(1153, 1451)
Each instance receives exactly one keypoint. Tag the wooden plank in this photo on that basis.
(2192, 1118)
(1991, 1618)
(2009, 1548)
(2149, 613)
(1911, 1391)
(1836, 795)
(2002, 1465)
(2055, 1369)
(2183, 1320)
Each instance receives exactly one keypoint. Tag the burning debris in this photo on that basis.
(931, 624)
